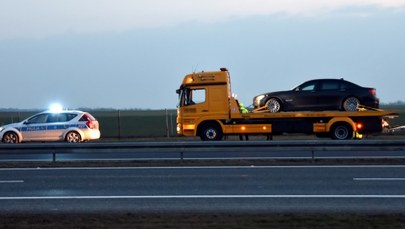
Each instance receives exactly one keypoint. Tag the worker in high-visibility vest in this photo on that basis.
(243, 109)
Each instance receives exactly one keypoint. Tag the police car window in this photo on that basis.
(41, 118)
(52, 118)
(84, 118)
(56, 117)
(62, 118)
(70, 116)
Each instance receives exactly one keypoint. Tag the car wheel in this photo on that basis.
(10, 137)
(73, 136)
(211, 132)
(342, 131)
(273, 105)
(351, 104)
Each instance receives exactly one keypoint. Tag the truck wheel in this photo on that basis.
(211, 132)
(351, 104)
(10, 137)
(273, 105)
(342, 131)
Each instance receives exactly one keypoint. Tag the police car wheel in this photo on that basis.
(10, 137)
(73, 136)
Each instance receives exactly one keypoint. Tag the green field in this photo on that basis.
(147, 123)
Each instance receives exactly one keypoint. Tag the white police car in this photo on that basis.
(66, 125)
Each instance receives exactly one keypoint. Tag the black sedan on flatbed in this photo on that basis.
(318, 95)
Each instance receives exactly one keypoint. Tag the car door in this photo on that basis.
(34, 129)
(303, 97)
(329, 94)
(56, 125)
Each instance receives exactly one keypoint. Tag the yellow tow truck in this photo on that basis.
(207, 109)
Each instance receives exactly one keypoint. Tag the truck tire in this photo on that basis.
(211, 132)
(342, 131)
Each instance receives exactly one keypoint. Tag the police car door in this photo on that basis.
(34, 129)
(56, 125)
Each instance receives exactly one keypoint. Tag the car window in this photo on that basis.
(87, 117)
(60, 117)
(194, 96)
(307, 86)
(69, 116)
(41, 118)
(329, 86)
(53, 117)
(91, 117)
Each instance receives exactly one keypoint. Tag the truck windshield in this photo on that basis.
(180, 92)
(185, 96)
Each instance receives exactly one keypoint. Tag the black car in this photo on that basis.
(318, 95)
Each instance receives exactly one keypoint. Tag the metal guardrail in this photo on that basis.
(184, 150)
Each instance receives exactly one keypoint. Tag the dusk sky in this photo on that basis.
(127, 54)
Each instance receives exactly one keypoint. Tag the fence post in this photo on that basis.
(313, 156)
(171, 124)
(53, 154)
(167, 124)
(119, 124)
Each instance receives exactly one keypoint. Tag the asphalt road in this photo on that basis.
(280, 189)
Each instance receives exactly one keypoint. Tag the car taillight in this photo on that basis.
(373, 91)
(91, 124)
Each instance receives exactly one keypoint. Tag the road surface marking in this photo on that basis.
(205, 167)
(11, 181)
(202, 197)
(379, 179)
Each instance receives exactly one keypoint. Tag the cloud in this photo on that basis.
(44, 18)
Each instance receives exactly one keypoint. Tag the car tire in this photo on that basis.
(273, 105)
(351, 104)
(211, 132)
(10, 137)
(73, 137)
(342, 131)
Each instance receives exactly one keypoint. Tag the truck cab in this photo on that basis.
(203, 98)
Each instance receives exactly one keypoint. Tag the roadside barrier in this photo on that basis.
(196, 150)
